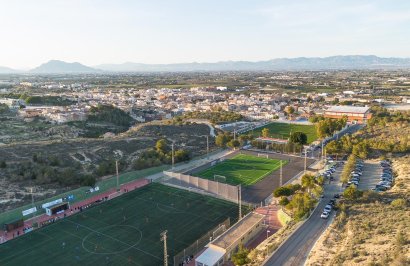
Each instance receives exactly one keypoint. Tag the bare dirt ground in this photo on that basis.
(372, 231)
(84, 154)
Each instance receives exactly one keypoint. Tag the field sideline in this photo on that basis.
(122, 231)
(242, 169)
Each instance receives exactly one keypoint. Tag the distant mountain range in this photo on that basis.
(299, 63)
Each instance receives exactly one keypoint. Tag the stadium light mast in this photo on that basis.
(240, 201)
(207, 147)
(118, 177)
(173, 158)
(281, 174)
(164, 239)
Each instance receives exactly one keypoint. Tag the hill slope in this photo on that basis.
(56, 66)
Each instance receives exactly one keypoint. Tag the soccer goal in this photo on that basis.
(220, 178)
(263, 155)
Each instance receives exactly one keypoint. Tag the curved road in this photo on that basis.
(297, 247)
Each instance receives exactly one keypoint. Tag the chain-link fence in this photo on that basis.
(188, 253)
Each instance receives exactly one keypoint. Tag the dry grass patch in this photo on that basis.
(372, 231)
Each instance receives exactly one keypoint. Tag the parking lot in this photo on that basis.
(370, 177)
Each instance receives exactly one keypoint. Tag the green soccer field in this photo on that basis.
(242, 169)
(122, 231)
(283, 130)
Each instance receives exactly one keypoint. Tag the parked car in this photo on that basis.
(324, 215)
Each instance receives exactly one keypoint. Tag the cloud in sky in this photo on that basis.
(167, 31)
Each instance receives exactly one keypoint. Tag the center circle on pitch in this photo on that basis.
(112, 239)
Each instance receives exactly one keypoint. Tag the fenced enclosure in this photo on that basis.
(200, 243)
(225, 191)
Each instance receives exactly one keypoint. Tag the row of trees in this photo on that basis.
(160, 154)
(295, 137)
(348, 168)
(328, 126)
(348, 144)
(216, 116)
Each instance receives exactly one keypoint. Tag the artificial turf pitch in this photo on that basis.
(122, 231)
(242, 169)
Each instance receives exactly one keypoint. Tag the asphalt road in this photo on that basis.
(296, 249)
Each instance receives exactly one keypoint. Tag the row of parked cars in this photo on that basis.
(329, 207)
(386, 177)
(356, 174)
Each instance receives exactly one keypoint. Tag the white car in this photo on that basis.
(324, 215)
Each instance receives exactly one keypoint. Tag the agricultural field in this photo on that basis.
(283, 130)
(122, 231)
(241, 169)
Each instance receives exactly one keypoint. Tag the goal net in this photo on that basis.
(220, 178)
(263, 155)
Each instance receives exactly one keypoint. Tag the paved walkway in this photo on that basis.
(44, 219)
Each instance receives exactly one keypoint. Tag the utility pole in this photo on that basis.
(207, 147)
(240, 201)
(118, 177)
(164, 239)
(281, 174)
(172, 152)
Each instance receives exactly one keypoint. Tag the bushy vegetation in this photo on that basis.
(160, 154)
(300, 199)
(348, 168)
(216, 117)
(327, 126)
(109, 114)
(46, 100)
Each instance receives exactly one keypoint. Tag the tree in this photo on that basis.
(308, 181)
(161, 146)
(299, 138)
(222, 139)
(233, 143)
(241, 257)
(3, 164)
(282, 191)
(283, 201)
(88, 181)
(290, 110)
(352, 193)
(265, 132)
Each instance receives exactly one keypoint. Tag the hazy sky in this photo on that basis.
(94, 32)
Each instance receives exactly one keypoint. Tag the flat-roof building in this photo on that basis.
(220, 250)
(354, 114)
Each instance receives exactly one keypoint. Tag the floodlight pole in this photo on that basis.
(32, 200)
(240, 201)
(118, 178)
(164, 239)
(173, 159)
(207, 146)
(281, 174)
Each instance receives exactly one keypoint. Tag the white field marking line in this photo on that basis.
(85, 239)
(262, 176)
(113, 238)
(113, 253)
